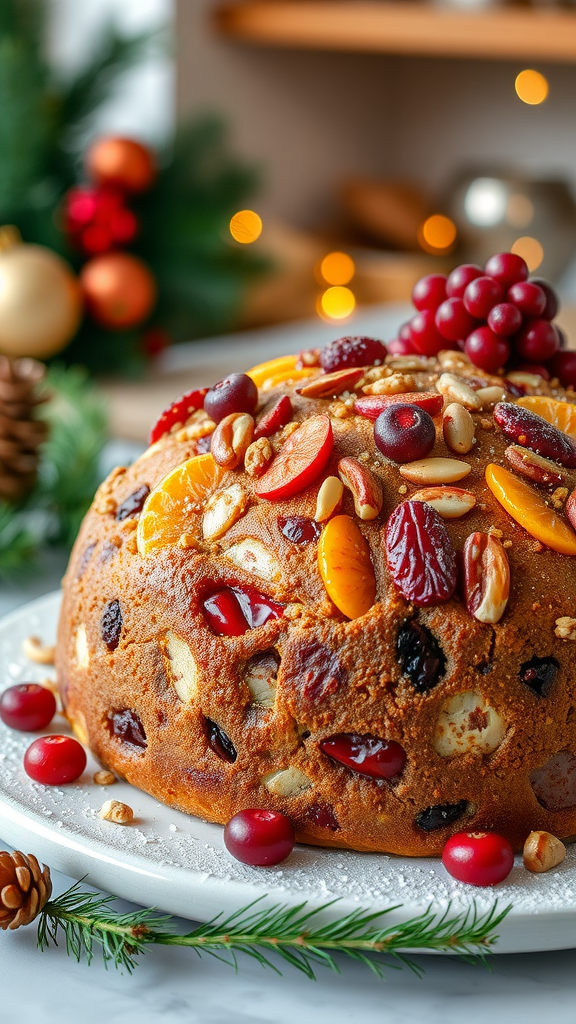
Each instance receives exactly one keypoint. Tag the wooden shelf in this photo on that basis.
(405, 27)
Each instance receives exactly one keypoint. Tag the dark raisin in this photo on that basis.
(420, 656)
(539, 674)
(203, 444)
(108, 551)
(299, 529)
(316, 671)
(133, 504)
(322, 815)
(554, 784)
(111, 625)
(440, 816)
(486, 668)
(86, 556)
(126, 726)
(220, 743)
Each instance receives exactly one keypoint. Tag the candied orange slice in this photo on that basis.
(263, 371)
(530, 510)
(346, 568)
(560, 414)
(171, 508)
(287, 375)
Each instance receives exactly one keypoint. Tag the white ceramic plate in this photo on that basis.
(179, 864)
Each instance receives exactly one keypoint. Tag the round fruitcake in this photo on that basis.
(347, 596)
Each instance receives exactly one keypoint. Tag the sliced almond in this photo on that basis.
(329, 498)
(435, 471)
(529, 380)
(181, 667)
(492, 394)
(467, 724)
(407, 363)
(364, 486)
(222, 510)
(253, 556)
(458, 428)
(288, 782)
(261, 677)
(328, 385)
(81, 647)
(456, 389)
(449, 502)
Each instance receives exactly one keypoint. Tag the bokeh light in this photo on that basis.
(437, 234)
(245, 226)
(530, 250)
(336, 303)
(531, 87)
(485, 202)
(519, 210)
(337, 268)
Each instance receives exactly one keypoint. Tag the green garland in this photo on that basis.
(292, 934)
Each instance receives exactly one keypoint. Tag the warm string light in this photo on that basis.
(531, 87)
(437, 234)
(337, 302)
(246, 226)
(530, 250)
(337, 268)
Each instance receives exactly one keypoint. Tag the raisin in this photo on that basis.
(316, 670)
(203, 444)
(126, 726)
(539, 674)
(323, 816)
(440, 816)
(86, 556)
(554, 784)
(420, 656)
(219, 742)
(108, 551)
(299, 529)
(111, 625)
(133, 504)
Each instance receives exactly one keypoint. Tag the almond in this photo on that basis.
(486, 577)
(328, 385)
(467, 724)
(288, 782)
(261, 678)
(410, 363)
(222, 510)
(81, 651)
(492, 394)
(535, 467)
(543, 851)
(458, 428)
(364, 486)
(181, 666)
(455, 389)
(329, 498)
(435, 471)
(530, 380)
(252, 556)
(231, 439)
(449, 502)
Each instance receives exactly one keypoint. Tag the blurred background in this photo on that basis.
(189, 186)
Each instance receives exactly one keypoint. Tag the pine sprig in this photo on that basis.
(296, 935)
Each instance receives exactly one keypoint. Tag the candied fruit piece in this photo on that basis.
(345, 353)
(440, 816)
(232, 611)
(299, 529)
(561, 415)
(539, 674)
(133, 504)
(323, 816)
(111, 625)
(263, 371)
(315, 670)
(420, 656)
(367, 755)
(346, 568)
(420, 555)
(178, 412)
(530, 510)
(127, 726)
(532, 431)
(299, 462)
(219, 742)
(554, 784)
(172, 507)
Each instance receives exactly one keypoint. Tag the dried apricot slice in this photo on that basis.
(299, 462)
(530, 510)
(561, 415)
(176, 501)
(263, 371)
(346, 568)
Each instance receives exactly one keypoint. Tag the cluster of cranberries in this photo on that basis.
(50, 760)
(496, 315)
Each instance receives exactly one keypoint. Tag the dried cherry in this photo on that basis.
(323, 816)
(299, 529)
(316, 671)
(219, 742)
(133, 504)
(440, 816)
(127, 726)
(111, 625)
(420, 656)
(420, 555)
(367, 755)
(539, 674)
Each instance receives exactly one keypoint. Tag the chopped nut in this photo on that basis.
(253, 556)
(104, 778)
(491, 395)
(435, 471)
(377, 373)
(288, 430)
(222, 511)
(35, 650)
(543, 851)
(458, 428)
(450, 360)
(565, 628)
(364, 486)
(289, 782)
(340, 410)
(231, 439)
(397, 384)
(486, 424)
(402, 489)
(495, 532)
(116, 811)
(329, 385)
(558, 497)
(188, 541)
(456, 389)
(258, 457)
(181, 666)
(507, 544)
(329, 498)
(467, 724)
(197, 429)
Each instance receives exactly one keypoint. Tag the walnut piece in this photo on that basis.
(565, 628)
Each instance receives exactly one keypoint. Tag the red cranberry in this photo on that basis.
(345, 353)
(232, 611)
(323, 816)
(486, 350)
(235, 393)
(426, 337)
(429, 292)
(507, 268)
(552, 302)
(504, 319)
(479, 858)
(367, 755)
(27, 707)
(453, 320)
(404, 433)
(537, 341)
(405, 333)
(259, 837)
(401, 347)
(536, 368)
(54, 760)
(528, 297)
(299, 529)
(460, 278)
(481, 295)
(563, 366)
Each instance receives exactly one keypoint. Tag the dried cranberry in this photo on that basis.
(84, 560)
(539, 674)
(220, 743)
(554, 784)
(420, 555)
(133, 504)
(316, 671)
(232, 611)
(274, 418)
(420, 656)
(440, 816)
(178, 412)
(299, 529)
(127, 726)
(344, 353)
(368, 755)
(323, 816)
(534, 432)
(111, 625)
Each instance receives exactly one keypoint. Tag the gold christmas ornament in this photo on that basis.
(40, 299)
(25, 888)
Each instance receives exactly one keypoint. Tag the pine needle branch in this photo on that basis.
(296, 935)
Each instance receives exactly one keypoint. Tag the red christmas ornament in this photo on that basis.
(97, 220)
(119, 289)
(121, 163)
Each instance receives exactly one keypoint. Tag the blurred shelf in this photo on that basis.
(404, 27)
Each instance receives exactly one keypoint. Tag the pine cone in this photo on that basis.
(20, 433)
(24, 889)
